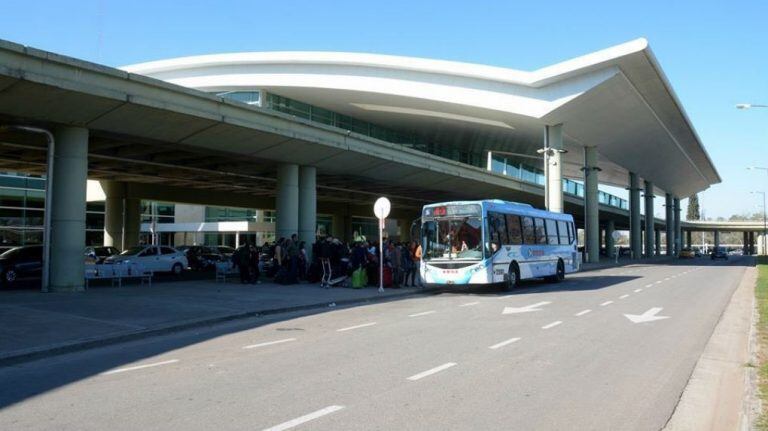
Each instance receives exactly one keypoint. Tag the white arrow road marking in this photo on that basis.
(139, 367)
(306, 418)
(432, 371)
(504, 343)
(648, 316)
(468, 304)
(526, 309)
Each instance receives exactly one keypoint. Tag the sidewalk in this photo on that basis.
(34, 325)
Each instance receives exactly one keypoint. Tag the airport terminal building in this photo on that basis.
(223, 148)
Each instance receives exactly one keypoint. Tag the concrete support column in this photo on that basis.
(657, 233)
(717, 238)
(122, 216)
(69, 182)
(591, 212)
(678, 230)
(307, 207)
(670, 221)
(745, 241)
(635, 235)
(287, 201)
(404, 227)
(553, 170)
(650, 236)
(132, 222)
(114, 213)
(610, 244)
(689, 239)
(751, 243)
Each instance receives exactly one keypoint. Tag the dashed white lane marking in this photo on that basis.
(437, 369)
(423, 313)
(349, 328)
(649, 285)
(581, 313)
(139, 367)
(552, 325)
(504, 343)
(469, 304)
(638, 290)
(658, 282)
(606, 303)
(666, 279)
(624, 296)
(269, 343)
(306, 418)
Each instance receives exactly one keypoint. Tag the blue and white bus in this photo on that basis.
(494, 241)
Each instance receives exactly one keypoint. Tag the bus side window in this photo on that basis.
(562, 229)
(514, 230)
(541, 231)
(552, 232)
(571, 233)
(498, 229)
(529, 237)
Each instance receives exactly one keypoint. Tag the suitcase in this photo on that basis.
(387, 276)
(359, 278)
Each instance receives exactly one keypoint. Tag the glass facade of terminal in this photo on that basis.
(518, 169)
(22, 209)
(513, 168)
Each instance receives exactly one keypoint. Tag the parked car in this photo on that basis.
(719, 253)
(687, 253)
(98, 254)
(225, 251)
(21, 263)
(153, 258)
(201, 257)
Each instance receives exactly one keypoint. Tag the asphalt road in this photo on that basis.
(446, 361)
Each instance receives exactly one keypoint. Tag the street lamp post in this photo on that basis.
(765, 224)
(381, 210)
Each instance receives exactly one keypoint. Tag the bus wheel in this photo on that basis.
(513, 277)
(559, 273)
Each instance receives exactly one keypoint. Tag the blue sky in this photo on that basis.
(713, 52)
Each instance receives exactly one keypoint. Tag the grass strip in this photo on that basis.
(761, 295)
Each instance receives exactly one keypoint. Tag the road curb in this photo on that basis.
(27, 355)
(717, 395)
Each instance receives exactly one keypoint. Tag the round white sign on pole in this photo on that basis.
(381, 208)
(616, 235)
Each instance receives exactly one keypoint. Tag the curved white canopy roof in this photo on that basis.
(617, 100)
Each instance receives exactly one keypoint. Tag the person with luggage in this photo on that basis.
(407, 264)
(253, 265)
(396, 261)
(241, 258)
(302, 275)
(416, 257)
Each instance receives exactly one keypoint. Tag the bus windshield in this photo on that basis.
(453, 238)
